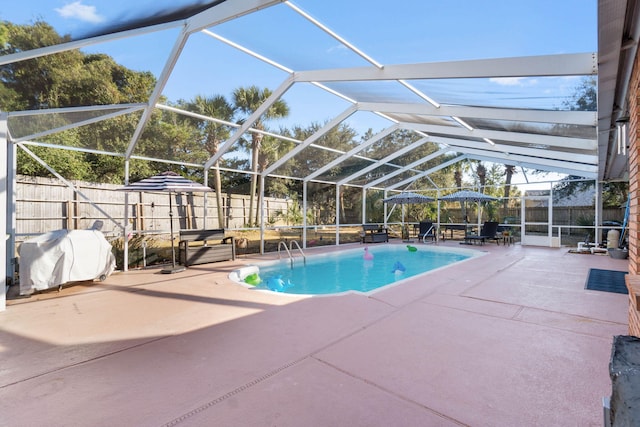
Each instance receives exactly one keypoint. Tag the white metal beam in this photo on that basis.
(426, 173)
(383, 161)
(225, 122)
(78, 44)
(79, 124)
(574, 64)
(67, 183)
(224, 147)
(521, 137)
(537, 166)
(579, 169)
(352, 152)
(157, 91)
(584, 118)
(333, 34)
(226, 11)
(65, 110)
(247, 51)
(323, 130)
(408, 167)
(535, 153)
(5, 256)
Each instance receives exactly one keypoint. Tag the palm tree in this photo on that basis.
(509, 170)
(457, 177)
(213, 134)
(271, 149)
(462, 168)
(247, 101)
(481, 172)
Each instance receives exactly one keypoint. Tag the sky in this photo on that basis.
(403, 31)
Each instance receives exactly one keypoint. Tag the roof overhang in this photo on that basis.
(618, 35)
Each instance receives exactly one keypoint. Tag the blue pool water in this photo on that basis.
(349, 271)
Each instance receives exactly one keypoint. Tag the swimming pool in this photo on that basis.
(349, 270)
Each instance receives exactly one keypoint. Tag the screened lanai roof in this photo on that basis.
(394, 68)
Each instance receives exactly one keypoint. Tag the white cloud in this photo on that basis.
(337, 48)
(513, 81)
(77, 10)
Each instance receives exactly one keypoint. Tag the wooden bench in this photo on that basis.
(373, 233)
(212, 246)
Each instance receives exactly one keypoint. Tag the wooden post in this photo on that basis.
(138, 219)
(189, 218)
(75, 214)
(69, 216)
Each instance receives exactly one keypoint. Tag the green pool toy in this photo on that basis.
(253, 279)
(412, 248)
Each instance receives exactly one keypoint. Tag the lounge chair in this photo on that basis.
(491, 232)
(488, 231)
(427, 231)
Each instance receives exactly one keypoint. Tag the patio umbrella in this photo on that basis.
(168, 182)
(468, 196)
(407, 198)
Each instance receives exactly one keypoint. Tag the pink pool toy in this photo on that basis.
(367, 255)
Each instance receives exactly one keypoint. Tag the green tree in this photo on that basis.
(69, 79)
(321, 197)
(9, 98)
(509, 171)
(4, 33)
(168, 136)
(246, 101)
(109, 136)
(212, 134)
(585, 96)
(614, 194)
(272, 149)
(69, 164)
(35, 81)
(481, 173)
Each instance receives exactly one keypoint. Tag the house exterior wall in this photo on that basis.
(634, 191)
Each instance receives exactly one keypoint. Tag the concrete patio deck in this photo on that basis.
(510, 338)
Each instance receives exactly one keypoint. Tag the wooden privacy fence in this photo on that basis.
(573, 215)
(45, 204)
(562, 215)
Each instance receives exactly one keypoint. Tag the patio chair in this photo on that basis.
(427, 231)
(489, 231)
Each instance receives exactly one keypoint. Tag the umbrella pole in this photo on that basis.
(174, 268)
(405, 232)
(466, 223)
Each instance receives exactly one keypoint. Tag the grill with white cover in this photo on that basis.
(57, 257)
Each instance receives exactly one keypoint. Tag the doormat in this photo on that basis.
(606, 281)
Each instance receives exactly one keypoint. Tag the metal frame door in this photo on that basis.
(536, 231)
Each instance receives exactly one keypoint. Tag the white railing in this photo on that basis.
(289, 250)
(291, 244)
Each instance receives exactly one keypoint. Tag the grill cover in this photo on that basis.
(62, 256)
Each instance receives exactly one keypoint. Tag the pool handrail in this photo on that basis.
(284, 244)
(304, 258)
(289, 249)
